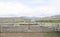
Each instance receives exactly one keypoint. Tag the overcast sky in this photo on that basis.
(38, 8)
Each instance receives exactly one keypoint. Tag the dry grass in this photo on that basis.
(30, 34)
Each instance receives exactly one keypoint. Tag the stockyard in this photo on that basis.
(29, 30)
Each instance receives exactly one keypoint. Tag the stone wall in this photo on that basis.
(28, 28)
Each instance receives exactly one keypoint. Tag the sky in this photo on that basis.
(30, 8)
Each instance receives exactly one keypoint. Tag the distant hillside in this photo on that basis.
(55, 16)
(13, 19)
(50, 17)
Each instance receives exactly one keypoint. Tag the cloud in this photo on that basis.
(21, 9)
(17, 9)
(53, 8)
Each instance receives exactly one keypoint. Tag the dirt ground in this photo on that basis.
(29, 34)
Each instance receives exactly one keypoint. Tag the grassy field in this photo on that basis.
(51, 34)
(49, 20)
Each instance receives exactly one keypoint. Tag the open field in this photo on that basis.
(51, 34)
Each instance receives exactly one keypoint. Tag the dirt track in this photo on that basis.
(29, 35)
